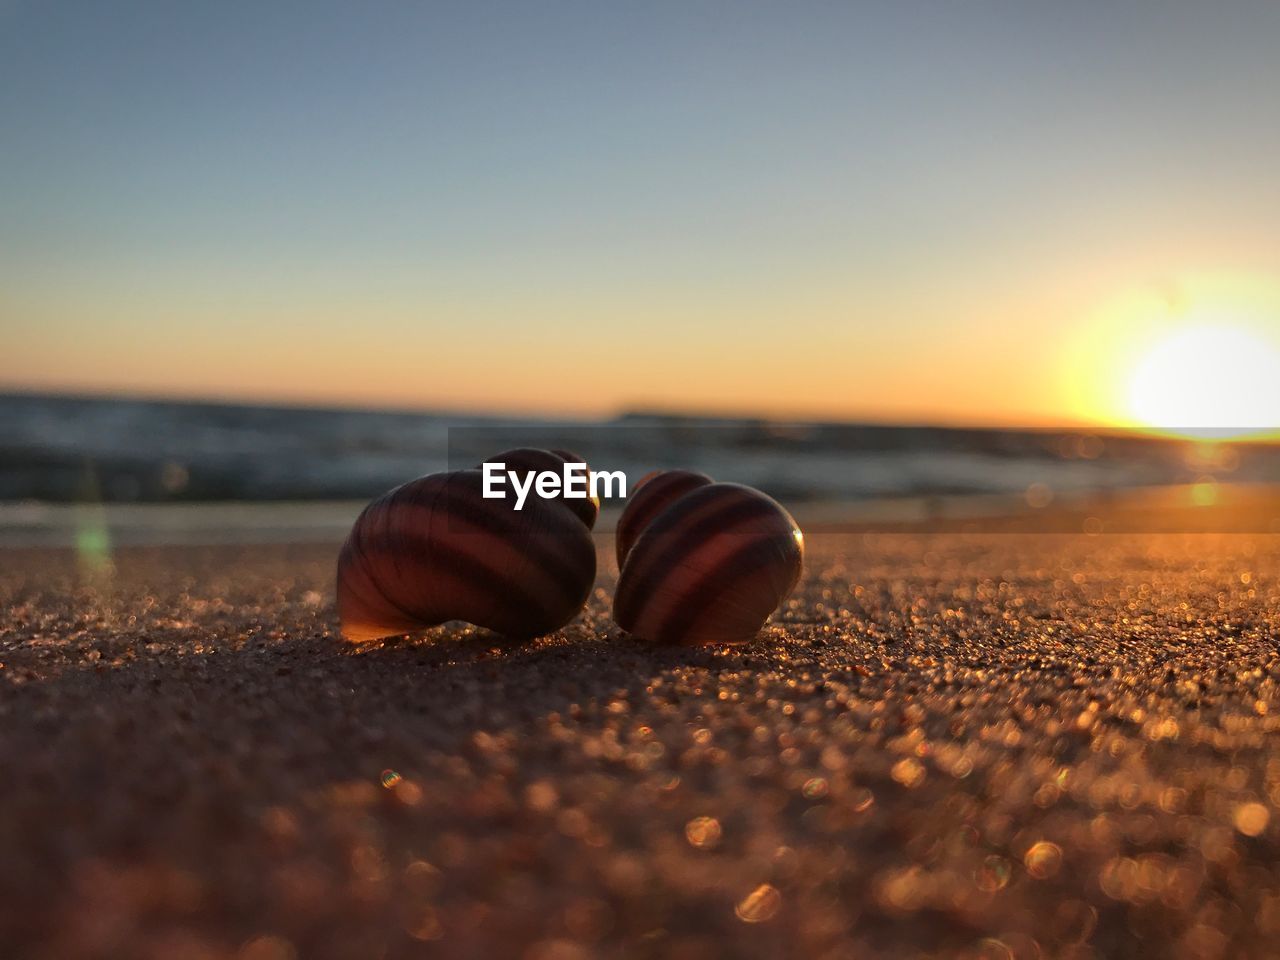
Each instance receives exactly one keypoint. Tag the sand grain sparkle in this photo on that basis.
(947, 745)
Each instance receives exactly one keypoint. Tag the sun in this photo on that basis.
(1209, 379)
(1195, 356)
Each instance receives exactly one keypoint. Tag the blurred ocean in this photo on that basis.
(75, 450)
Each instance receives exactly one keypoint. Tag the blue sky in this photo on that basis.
(897, 209)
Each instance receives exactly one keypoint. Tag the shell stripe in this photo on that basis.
(495, 584)
(360, 555)
(435, 549)
(474, 538)
(360, 599)
(671, 549)
(656, 494)
(565, 569)
(483, 581)
(688, 606)
(391, 537)
(651, 499)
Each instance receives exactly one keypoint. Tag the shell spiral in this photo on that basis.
(436, 549)
(703, 562)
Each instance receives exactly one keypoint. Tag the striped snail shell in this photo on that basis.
(435, 549)
(703, 562)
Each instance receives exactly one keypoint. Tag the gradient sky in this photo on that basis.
(904, 211)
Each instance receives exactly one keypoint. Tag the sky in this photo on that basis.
(985, 213)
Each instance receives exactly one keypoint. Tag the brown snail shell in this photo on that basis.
(708, 565)
(435, 549)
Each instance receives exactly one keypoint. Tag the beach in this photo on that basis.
(995, 745)
(931, 351)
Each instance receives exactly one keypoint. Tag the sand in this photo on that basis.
(1000, 746)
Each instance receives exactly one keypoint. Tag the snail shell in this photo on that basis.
(435, 549)
(708, 565)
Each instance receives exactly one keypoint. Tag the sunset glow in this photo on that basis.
(850, 215)
(1192, 356)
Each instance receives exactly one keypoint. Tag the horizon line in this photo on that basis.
(641, 411)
